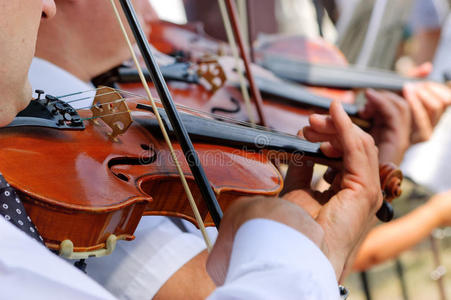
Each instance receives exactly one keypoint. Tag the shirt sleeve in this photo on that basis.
(29, 271)
(273, 261)
(429, 14)
(139, 268)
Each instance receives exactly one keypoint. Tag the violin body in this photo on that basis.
(67, 186)
(84, 186)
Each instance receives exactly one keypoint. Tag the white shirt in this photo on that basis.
(138, 269)
(269, 261)
(429, 163)
(55, 81)
(273, 261)
(29, 271)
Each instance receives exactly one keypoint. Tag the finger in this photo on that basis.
(434, 105)
(359, 149)
(322, 123)
(382, 105)
(300, 134)
(441, 91)
(330, 151)
(303, 199)
(421, 71)
(316, 137)
(299, 176)
(370, 109)
(343, 124)
(422, 127)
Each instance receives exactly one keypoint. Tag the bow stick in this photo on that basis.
(232, 12)
(173, 116)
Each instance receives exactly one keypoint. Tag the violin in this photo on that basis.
(313, 67)
(111, 167)
(310, 61)
(288, 104)
(190, 42)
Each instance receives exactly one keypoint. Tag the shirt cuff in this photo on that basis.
(157, 270)
(138, 269)
(266, 244)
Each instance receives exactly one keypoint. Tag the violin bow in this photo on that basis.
(247, 9)
(243, 15)
(231, 24)
(235, 54)
(178, 127)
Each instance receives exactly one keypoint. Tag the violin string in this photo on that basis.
(133, 96)
(107, 115)
(234, 48)
(84, 98)
(101, 104)
(72, 94)
(163, 131)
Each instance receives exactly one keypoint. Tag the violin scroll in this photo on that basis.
(391, 179)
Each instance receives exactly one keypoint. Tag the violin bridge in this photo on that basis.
(110, 107)
(212, 73)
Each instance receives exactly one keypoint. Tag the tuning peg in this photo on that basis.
(39, 92)
(385, 212)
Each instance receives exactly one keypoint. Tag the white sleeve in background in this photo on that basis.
(273, 261)
(53, 80)
(29, 271)
(211, 231)
(139, 268)
(429, 163)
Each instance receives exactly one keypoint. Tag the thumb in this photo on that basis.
(219, 257)
(299, 174)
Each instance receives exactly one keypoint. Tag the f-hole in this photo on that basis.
(148, 158)
(234, 110)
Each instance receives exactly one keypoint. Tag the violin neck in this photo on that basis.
(297, 95)
(342, 77)
(233, 135)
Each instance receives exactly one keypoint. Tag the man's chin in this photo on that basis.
(25, 99)
(7, 115)
(10, 110)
